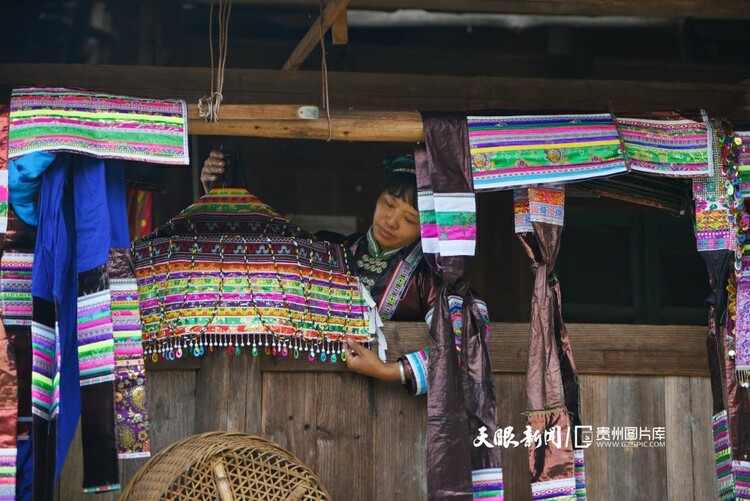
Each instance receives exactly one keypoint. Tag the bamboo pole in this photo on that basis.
(244, 120)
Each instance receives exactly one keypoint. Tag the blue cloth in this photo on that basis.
(24, 178)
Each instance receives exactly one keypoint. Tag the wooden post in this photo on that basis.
(320, 26)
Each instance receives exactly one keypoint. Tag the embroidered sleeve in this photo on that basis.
(415, 365)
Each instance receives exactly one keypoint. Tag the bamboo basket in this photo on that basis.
(224, 466)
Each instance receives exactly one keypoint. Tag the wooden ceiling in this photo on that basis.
(657, 54)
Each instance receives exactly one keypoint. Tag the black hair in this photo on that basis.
(401, 185)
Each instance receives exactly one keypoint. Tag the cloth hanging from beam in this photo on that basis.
(552, 393)
(515, 151)
(460, 396)
(56, 119)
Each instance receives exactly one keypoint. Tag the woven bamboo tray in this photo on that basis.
(227, 467)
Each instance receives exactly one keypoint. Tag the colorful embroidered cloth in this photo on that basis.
(543, 204)
(96, 124)
(515, 151)
(678, 148)
(743, 161)
(231, 272)
(714, 229)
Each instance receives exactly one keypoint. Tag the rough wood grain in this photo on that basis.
(598, 349)
(636, 402)
(390, 92)
(702, 444)
(399, 444)
(213, 392)
(510, 390)
(594, 398)
(677, 406)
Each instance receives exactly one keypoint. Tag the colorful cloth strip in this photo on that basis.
(97, 124)
(4, 138)
(487, 484)
(96, 358)
(580, 465)
(723, 456)
(448, 223)
(229, 271)
(678, 148)
(428, 222)
(515, 151)
(741, 479)
(743, 161)
(713, 219)
(542, 204)
(8, 474)
(15, 288)
(130, 375)
(45, 374)
(742, 321)
(554, 490)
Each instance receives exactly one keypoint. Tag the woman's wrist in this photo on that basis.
(390, 372)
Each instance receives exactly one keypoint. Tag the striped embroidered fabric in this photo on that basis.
(743, 161)
(742, 320)
(580, 466)
(96, 357)
(418, 362)
(723, 456)
(541, 204)
(8, 474)
(554, 490)
(741, 479)
(229, 271)
(44, 375)
(15, 287)
(130, 375)
(98, 124)
(456, 221)
(397, 285)
(4, 199)
(678, 148)
(516, 151)
(713, 227)
(428, 222)
(487, 484)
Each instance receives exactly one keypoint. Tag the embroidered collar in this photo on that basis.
(374, 249)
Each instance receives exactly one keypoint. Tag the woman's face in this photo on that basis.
(395, 222)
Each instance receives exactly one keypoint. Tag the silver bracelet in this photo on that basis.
(402, 372)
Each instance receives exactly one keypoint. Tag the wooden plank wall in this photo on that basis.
(365, 439)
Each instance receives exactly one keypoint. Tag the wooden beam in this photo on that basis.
(393, 92)
(642, 350)
(260, 112)
(332, 10)
(340, 29)
(344, 126)
(673, 9)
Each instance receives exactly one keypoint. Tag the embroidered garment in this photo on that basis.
(460, 397)
(678, 148)
(515, 151)
(552, 391)
(743, 160)
(231, 272)
(56, 119)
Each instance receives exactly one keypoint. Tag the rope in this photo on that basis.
(209, 106)
(324, 74)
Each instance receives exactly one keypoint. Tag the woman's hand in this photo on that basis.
(363, 361)
(212, 167)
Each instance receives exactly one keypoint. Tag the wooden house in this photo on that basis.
(633, 283)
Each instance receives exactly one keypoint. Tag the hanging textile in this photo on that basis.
(56, 119)
(460, 396)
(230, 272)
(82, 245)
(670, 194)
(720, 223)
(515, 151)
(677, 148)
(552, 394)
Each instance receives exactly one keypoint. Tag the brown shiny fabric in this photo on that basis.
(738, 403)
(551, 381)
(460, 399)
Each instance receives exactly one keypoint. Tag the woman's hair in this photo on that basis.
(400, 179)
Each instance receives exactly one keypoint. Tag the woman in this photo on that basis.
(388, 261)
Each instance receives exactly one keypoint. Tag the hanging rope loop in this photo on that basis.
(210, 105)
